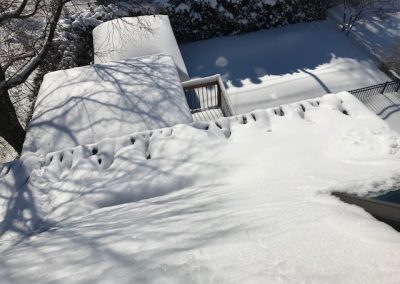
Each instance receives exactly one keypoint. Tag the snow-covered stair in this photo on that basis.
(242, 198)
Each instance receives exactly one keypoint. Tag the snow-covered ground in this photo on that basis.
(87, 104)
(379, 34)
(282, 65)
(244, 200)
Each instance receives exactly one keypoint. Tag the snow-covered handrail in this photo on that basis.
(201, 81)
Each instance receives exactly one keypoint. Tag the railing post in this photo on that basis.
(219, 95)
(384, 88)
(197, 87)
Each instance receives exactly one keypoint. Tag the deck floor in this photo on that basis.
(208, 115)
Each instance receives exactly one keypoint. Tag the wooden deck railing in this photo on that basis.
(207, 96)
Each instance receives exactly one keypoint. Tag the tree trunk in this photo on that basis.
(10, 128)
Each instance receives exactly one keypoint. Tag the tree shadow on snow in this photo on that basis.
(131, 169)
(83, 105)
(277, 51)
(83, 108)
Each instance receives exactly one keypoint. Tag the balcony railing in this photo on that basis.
(380, 89)
(207, 98)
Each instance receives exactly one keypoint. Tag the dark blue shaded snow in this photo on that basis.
(283, 65)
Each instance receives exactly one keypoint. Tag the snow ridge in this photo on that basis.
(149, 164)
(245, 198)
(103, 153)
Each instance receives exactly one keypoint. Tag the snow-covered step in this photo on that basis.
(245, 198)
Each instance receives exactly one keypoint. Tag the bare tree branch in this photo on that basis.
(20, 76)
(30, 14)
(23, 56)
(356, 10)
(14, 13)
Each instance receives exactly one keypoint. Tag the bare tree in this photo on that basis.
(358, 10)
(27, 29)
(392, 60)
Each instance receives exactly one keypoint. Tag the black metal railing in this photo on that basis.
(380, 89)
(207, 98)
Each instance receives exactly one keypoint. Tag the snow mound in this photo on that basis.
(245, 198)
(87, 104)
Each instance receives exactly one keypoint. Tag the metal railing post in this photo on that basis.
(390, 86)
(219, 95)
(384, 88)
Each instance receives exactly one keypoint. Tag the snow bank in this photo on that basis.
(87, 104)
(137, 36)
(245, 199)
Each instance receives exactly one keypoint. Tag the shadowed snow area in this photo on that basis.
(245, 199)
(380, 34)
(283, 65)
(87, 104)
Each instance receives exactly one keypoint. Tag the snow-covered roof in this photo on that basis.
(129, 37)
(246, 199)
(87, 104)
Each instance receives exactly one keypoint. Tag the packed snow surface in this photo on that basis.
(246, 199)
(283, 65)
(137, 36)
(86, 104)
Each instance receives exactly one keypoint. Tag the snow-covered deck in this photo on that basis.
(208, 115)
(130, 37)
(87, 104)
(246, 199)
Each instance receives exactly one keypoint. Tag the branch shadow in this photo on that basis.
(19, 212)
(86, 104)
(83, 106)
(126, 170)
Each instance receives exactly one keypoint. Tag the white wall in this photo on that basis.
(137, 36)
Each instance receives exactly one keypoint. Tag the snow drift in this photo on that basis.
(137, 36)
(87, 104)
(244, 199)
